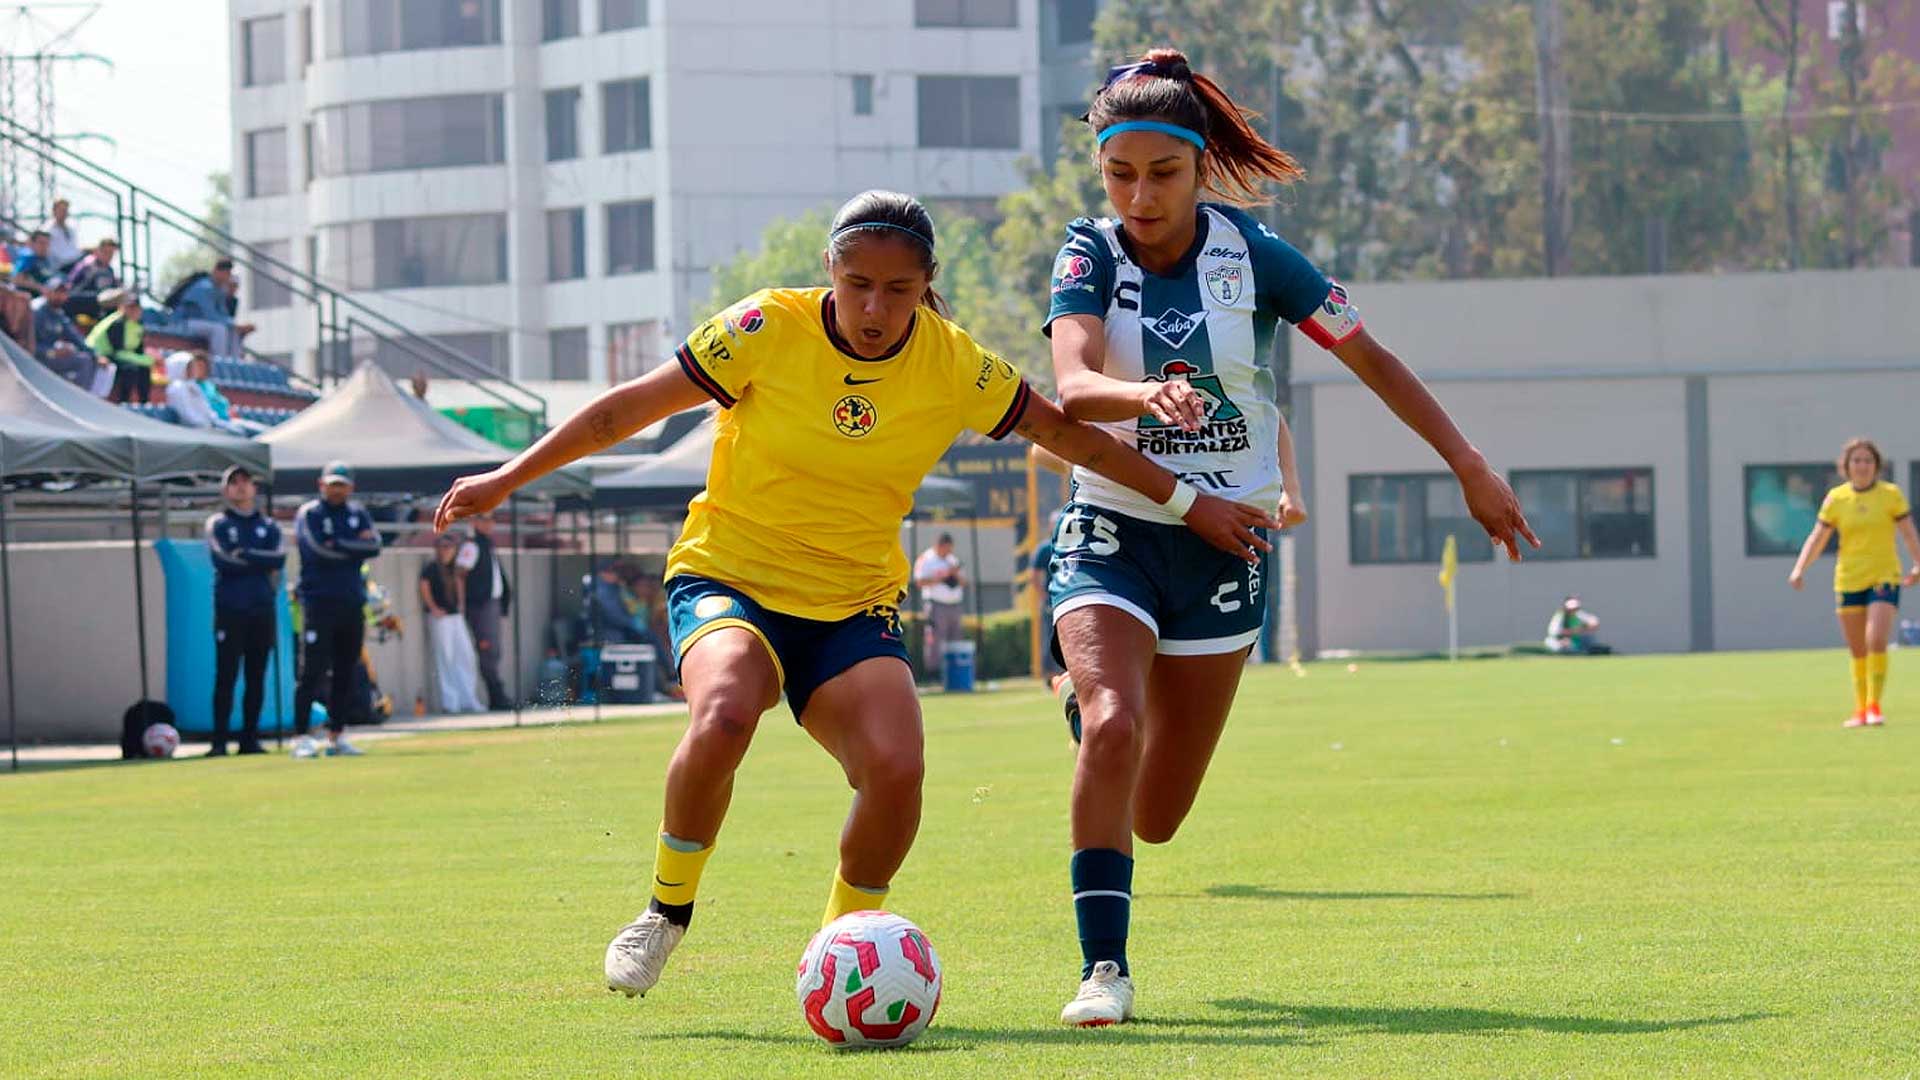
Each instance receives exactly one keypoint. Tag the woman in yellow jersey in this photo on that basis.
(834, 405)
(1866, 511)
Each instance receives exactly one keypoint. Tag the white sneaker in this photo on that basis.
(639, 951)
(1106, 997)
(340, 747)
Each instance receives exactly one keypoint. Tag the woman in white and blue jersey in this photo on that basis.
(1162, 320)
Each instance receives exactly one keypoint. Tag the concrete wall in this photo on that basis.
(1779, 420)
(1518, 425)
(76, 655)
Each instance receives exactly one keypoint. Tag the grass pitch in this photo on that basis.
(1632, 867)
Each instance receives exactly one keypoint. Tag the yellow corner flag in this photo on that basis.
(1449, 566)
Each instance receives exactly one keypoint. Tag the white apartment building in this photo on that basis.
(546, 184)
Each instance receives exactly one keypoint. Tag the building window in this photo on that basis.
(402, 358)
(1407, 517)
(567, 354)
(1589, 513)
(626, 121)
(970, 112)
(267, 162)
(971, 14)
(566, 244)
(413, 253)
(306, 37)
(559, 19)
(372, 27)
(622, 15)
(410, 133)
(633, 349)
(630, 237)
(863, 95)
(264, 62)
(269, 287)
(1073, 21)
(563, 124)
(1783, 502)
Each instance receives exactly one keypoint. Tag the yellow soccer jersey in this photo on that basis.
(818, 451)
(1865, 521)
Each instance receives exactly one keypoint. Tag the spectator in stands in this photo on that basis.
(248, 551)
(335, 536)
(943, 586)
(418, 383)
(223, 413)
(33, 271)
(118, 338)
(191, 394)
(63, 246)
(488, 598)
(91, 278)
(58, 343)
(615, 607)
(442, 593)
(203, 305)
(16, 314)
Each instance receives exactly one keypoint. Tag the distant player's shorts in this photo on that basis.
(806, 652)
(1197, 599)
(1879, 594)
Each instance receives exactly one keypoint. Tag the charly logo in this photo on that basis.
(854, 416)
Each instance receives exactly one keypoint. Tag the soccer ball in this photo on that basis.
(869, 979)
(160, 740)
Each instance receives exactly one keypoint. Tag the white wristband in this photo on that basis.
(1181, 500)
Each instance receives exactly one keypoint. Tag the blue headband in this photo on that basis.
(1174, 130)
(915, 233)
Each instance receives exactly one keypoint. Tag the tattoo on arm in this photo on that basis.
(605, 432)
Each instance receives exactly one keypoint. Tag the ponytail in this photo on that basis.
(1162, 88)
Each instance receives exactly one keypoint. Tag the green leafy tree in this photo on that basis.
(206, 248)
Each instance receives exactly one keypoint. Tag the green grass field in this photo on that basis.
(1629, 867)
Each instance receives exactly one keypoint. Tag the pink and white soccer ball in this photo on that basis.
(160, 740)
(869, 979)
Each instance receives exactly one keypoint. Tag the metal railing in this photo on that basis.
(337, 316)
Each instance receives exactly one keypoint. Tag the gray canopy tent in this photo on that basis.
(54, 433)
(396, 442)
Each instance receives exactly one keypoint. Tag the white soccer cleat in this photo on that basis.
(1106, 997)
(639, 952)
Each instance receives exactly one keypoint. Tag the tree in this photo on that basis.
(789, 257)
(206, 247)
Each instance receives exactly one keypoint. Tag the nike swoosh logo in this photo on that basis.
(658, 880)
(851, 381)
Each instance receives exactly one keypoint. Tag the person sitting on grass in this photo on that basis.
(1570, 631)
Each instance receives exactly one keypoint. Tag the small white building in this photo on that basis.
(1670, 437)
(546, 184)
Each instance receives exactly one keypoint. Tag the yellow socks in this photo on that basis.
(1876, 678)
(676, 875)
(845, 898)
(1859, 684)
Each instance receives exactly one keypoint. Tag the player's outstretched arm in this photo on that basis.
(1489, 499)
(1911, 537)
(604, 421)
(1226, 525)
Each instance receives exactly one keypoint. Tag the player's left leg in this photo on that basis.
(868, 718)
(1880, 619)
(1188, 699)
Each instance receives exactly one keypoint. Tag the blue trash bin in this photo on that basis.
(956, 666)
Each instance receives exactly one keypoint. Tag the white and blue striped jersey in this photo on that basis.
(1210, 321)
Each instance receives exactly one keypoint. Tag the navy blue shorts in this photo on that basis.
(1197, 599)
(1879, 594)
(806, 652)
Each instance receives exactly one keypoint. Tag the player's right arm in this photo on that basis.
(606, 420)
(1811, 550)
(1076, 322)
